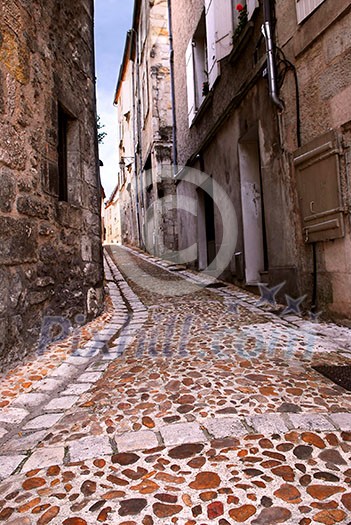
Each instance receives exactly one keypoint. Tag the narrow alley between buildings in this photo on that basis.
(187, 402)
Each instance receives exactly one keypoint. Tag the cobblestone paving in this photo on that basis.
(24, 377)
(194, 407)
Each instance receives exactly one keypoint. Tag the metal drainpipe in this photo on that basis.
(141, 242)
(273, 91)
(174, 118)
(314, 305)
(132, 31)
(271, 67)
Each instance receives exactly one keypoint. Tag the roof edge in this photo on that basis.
(129, 49)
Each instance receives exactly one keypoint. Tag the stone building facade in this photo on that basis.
(112, 218)
(314, 38)
(143, 98)
(262, 106)
(50, 231)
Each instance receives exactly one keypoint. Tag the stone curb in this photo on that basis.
(37, 411)
(173, 435)
(93, 361)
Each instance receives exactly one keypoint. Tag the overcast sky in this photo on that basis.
(113, 18)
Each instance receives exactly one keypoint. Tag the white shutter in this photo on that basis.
(251, 5)
(212, 64)
(190, 81)
(305, 7)
(223, 27)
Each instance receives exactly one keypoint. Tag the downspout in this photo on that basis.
(271, 66)
(273, 91)
(314, 305)
(174, 118)
(139, 147)
(134, 141)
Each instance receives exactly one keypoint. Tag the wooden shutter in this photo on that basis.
(212, 64)
(305, 7)
(251, 6)
(190, 81)
(219, 31)
(223, 27)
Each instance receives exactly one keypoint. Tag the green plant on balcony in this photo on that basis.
(242, 20)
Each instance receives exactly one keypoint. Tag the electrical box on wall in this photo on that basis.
(317, 168)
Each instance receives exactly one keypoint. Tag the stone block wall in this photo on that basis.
(320, 49)
(50, 248)
(147, 193)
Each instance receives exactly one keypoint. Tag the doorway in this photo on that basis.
(254, 232)
(206, 229)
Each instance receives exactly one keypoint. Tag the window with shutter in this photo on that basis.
(251, 6)
(212, 63)
(190, 81)
(145, 94)
(200, 62)
(223, 11)
(305, 8)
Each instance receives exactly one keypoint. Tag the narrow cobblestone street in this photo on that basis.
(185, 403)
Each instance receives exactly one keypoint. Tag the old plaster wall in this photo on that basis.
(50, 251)
(239, 103)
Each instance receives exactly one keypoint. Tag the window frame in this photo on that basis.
(62, 151)
(304, 8)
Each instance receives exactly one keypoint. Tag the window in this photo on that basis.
(63, 122)
(190, 81)
(251, 6)
(219, 31)
(211, 42)
(122, 173)
(305, 8)
(199, 47)
(143, 29)
(197, 69)
(68, 149)
(145, 94)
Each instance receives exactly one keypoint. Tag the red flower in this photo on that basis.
(239, 7)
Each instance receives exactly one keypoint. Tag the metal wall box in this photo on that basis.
(317, 171)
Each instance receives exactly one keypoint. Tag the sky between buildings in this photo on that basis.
(113, 18)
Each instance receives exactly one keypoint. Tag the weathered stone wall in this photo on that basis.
(158, 222)
(320, 49)
(50, 250)
(147, 134)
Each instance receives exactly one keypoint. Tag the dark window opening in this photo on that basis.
(148, 163)
(200, 62)
(210, 228)
(68, 149)
(160, 191)
(63, 123)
